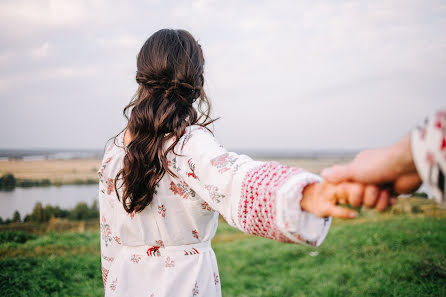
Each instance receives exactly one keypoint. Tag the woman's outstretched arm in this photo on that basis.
(260, 198)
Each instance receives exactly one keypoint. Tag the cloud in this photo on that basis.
(51, 12)
(283, 74)
(41, 51)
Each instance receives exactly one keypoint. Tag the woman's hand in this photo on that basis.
(322, 198)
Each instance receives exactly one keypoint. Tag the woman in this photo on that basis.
(156, 227)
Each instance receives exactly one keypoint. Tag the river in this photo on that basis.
(67, 196)
(24, 199)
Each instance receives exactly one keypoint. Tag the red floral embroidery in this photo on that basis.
(224, 162)
(108, 160)
(117, 239)
(195, 233)
(205, 206)
(154, 251)
(135, 258)
(182, 189)
(173, 163)
(195, 290)
(192, 251)
(192, 169)
(257, 208)
(440, 120)
(114, 284)
(169, 262)
(108, 259)
(104, 275)
(110, 185)
(216, 279)
(440, 123)
(162, 210)
(105, 231)
(160, 243)
(213, 193)
(101, 172)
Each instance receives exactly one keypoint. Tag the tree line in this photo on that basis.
(41, 214)
(9, 182)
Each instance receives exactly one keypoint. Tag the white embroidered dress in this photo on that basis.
(165, 249)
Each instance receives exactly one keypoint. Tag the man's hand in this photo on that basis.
(392, 166)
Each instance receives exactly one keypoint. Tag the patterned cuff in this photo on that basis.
(298, 225)
(270, 205)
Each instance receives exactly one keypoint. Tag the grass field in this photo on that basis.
(396, 256)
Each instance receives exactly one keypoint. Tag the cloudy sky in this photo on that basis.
(281, 74)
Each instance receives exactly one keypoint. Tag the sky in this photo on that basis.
(281, 75)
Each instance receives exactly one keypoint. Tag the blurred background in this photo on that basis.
(307, 83)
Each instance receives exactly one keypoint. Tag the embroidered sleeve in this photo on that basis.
(428, 144)
(260, 198)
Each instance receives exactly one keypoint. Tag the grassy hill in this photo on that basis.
(399, 255)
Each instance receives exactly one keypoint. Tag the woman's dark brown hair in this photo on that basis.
(170, 77)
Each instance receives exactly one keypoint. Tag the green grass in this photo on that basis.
(399, 256)
(51, 276)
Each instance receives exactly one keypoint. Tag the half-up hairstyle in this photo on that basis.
(170, 78)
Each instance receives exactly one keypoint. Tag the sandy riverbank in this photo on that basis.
(69, 171)
(57, 171)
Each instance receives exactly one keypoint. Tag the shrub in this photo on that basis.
(16, 217)
(7, 182)
(82, 212)
(15, 236)
(42, 214)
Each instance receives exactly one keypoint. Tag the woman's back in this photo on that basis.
(173, 230)
(176, 215)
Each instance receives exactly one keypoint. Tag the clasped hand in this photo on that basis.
(371, 179)
(322, 199)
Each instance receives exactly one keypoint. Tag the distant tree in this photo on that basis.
(94, 210)
(7, 181)
(16, 217)
(1, 220)
(45, 182)
(79, 212)
(38, 214)
(51, 211)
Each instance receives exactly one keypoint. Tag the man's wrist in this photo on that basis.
(401, 154)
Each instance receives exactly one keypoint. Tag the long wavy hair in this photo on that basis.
(170, 78)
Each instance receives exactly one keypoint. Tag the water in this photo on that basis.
(24, 199)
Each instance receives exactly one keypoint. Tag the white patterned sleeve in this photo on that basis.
(428, 144)
(260, 198)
